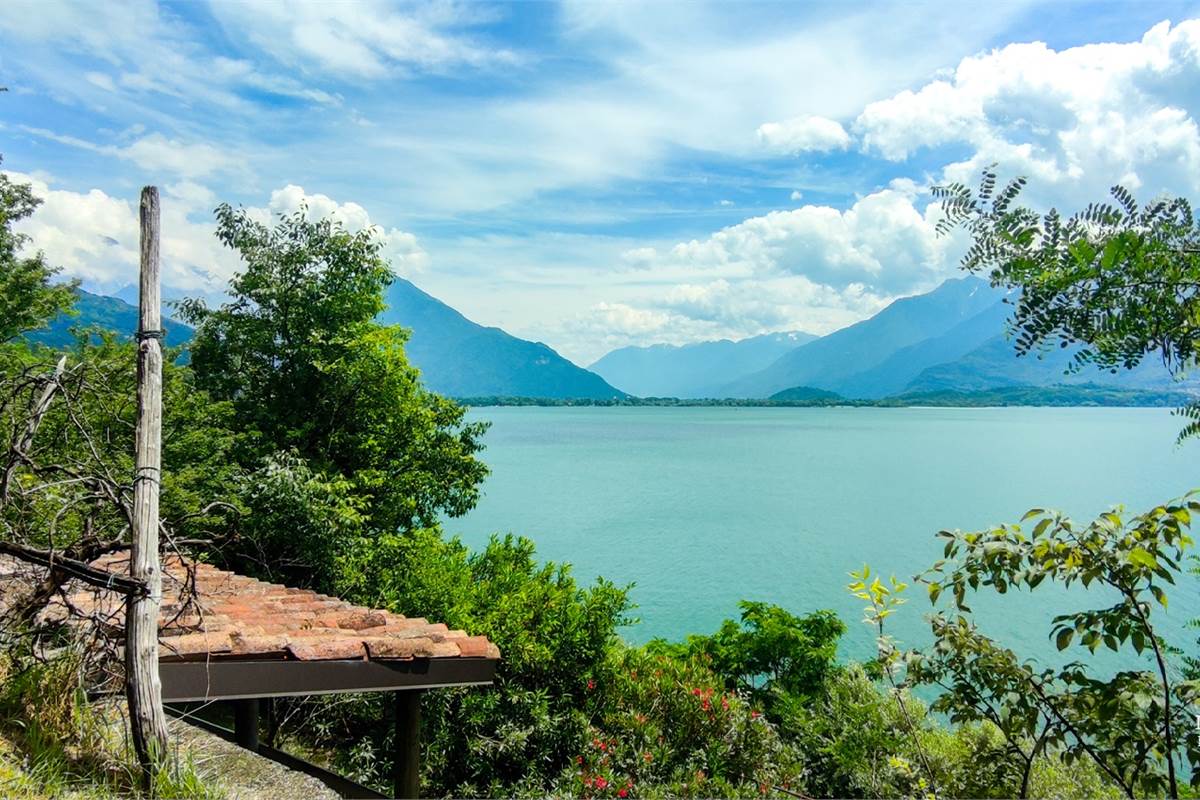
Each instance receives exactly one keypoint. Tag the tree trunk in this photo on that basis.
(142, 686)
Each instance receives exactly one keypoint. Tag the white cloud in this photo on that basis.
(883, 241)
(814, 268)
(93, 236)
(1075, 121)
(720, 309)
(804, 134)
(367, 39)
(155, 153)
(400, 248)
(797, 195)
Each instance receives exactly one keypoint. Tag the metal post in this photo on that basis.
(245, 723)
(407, 775)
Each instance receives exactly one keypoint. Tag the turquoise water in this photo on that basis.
(703, 507)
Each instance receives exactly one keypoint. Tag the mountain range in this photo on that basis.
(693, 370)
(948, 341)
(456, 356)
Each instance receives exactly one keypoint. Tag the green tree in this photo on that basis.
(770, 654)
(28, 296)
(311, 373)
(1133, 724)
(1118, 281)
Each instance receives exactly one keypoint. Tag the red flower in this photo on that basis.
(724, 704)
(623, 793)
(755, 715)
(591, 685)
(601, 783)
(578, 759)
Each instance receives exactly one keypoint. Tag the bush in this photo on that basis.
(665, 724)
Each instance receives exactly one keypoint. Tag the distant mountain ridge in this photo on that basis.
(105, 313)
(693, 370)
(828, 362)
(456, 357)
(461, 358)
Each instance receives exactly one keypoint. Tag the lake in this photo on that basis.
(703, 507)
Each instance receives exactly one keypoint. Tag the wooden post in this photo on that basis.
(407, 771)
(142, 687)
(245, 723)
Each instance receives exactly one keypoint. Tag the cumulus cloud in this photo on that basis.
(1075, 120)
(883, 240)
(804, 134)
(814, 268)
(93, 236)
(400, 248)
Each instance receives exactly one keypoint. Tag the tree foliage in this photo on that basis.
(771, 654)
(28, 297)
(1133, 724)
(312, 376)
(1118, 281)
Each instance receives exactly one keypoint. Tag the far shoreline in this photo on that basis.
(1063, 396)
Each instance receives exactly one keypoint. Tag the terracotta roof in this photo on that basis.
(233, 617)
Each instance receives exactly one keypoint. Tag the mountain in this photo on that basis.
(460, 358)
(894, 374)
(106, 313)
(693, 370)
(827, 362)
(995, 363)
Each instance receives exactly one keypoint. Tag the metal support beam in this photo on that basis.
(186, 681)
(407, 775)
(245, 723)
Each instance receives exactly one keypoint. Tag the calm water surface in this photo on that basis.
(703, 507)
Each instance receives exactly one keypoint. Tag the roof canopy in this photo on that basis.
(224, 635)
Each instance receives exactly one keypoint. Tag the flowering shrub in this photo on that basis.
(663, 724)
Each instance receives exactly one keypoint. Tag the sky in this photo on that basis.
(590, 175)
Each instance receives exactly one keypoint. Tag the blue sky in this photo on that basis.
(591, 174)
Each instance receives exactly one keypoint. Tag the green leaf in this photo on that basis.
(1063, 639)
(1141, 557)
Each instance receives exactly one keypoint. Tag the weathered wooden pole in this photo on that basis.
(142, 686)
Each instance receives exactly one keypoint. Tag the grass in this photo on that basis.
(55, 744)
